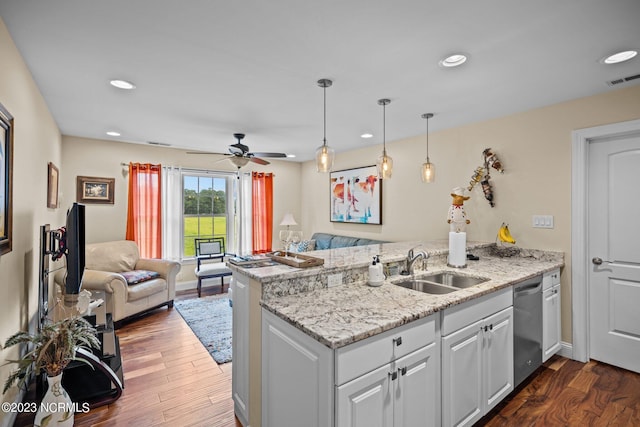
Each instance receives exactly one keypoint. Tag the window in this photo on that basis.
(206, 208)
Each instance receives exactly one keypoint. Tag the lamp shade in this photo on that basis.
(288, 219)
(428, 172)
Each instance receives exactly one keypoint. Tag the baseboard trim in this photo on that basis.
(566, 350)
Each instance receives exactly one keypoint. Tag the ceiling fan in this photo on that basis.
(240, 154)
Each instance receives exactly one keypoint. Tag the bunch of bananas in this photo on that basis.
(504, 235)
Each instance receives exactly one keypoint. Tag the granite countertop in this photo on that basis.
(351, 312)
(341, 259)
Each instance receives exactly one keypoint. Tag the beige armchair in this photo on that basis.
(108, 268)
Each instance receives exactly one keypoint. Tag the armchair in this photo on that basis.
(132, 285)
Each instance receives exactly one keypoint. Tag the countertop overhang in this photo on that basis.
(347, 313)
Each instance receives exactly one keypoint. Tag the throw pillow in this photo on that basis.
(303, 246)
(138, 276)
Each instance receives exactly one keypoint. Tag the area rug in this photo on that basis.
(210, 319)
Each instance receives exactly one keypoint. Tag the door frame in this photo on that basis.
(579, 231)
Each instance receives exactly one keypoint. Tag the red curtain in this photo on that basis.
(144, 213)
(262, 205)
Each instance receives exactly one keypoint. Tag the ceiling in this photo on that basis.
(205, 69)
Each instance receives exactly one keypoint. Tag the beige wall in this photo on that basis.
(36, 142)
(535, 149)
(91, 157)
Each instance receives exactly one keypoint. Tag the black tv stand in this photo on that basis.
(97, 379)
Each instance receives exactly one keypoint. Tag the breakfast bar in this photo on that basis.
(350, 312)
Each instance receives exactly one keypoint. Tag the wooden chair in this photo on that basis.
(211, 249)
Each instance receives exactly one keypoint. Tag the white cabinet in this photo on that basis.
(403, 393)
(477, 357)
(551, 321)
(297, 377)
(240, 348)
(390, 379)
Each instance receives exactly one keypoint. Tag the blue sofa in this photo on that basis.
(332, 241)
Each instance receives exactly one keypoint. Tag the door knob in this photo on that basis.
(599, 261)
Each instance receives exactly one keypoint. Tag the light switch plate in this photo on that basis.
(334, 280)
(543, 221)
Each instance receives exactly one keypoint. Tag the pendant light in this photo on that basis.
(428, 169)
(384, 163)
(325, 154)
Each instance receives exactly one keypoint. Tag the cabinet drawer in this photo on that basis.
(461, 315)
(364, 356)
(550, 279)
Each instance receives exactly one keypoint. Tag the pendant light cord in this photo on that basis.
(384, 128)
(324, 139)
(427, 139)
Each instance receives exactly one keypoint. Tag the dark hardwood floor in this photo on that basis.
(171, 380)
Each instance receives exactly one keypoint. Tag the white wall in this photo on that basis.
(535, 150)
(91, 157)
(36, 142)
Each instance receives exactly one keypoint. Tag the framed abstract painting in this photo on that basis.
(6, 180)
(356, 196)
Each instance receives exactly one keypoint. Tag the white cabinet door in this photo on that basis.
(498, 357)
(550, 322)
(297, 377)
(240, 348)
(417, 388)
(462, 395)
(366, 401)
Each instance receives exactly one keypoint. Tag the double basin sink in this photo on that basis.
(441, 283)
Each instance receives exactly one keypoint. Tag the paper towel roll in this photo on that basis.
(457, 249)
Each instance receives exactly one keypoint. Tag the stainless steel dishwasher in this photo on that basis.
(527, 328)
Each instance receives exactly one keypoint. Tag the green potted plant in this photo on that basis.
(52, 348)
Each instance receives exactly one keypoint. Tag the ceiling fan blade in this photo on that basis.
(275, 155)
(207, 152)
(258, 160)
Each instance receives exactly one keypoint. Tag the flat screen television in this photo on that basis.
(74, 245)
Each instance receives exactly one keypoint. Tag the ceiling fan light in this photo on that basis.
(428, 172)
(325, 156)
(239, 161)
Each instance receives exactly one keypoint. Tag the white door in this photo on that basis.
(614, 236)
(417, 388)
(498, 357)
(462, 376)
(366, 401)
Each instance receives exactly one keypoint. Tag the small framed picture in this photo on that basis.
(52, 186)
(93, 189)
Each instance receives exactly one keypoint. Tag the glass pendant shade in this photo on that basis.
(384, 163)
(385, 166)
(428, 171)
(325, 156)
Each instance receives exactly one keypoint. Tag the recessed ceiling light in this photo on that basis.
(122, 84)
(453, 60)
(366, 135)
(620, 57)
(113, 133)
(291, 156)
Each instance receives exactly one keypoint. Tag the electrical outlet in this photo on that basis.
(334, 280)
(543, 221)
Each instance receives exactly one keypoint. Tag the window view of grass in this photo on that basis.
(202, 227)
(205, 210)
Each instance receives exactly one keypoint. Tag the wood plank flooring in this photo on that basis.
(171, 380)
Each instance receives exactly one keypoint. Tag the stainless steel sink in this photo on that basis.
(455, 280)
(426, 286)
(441, 283)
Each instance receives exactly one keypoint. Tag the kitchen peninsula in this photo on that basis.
(342, 317)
